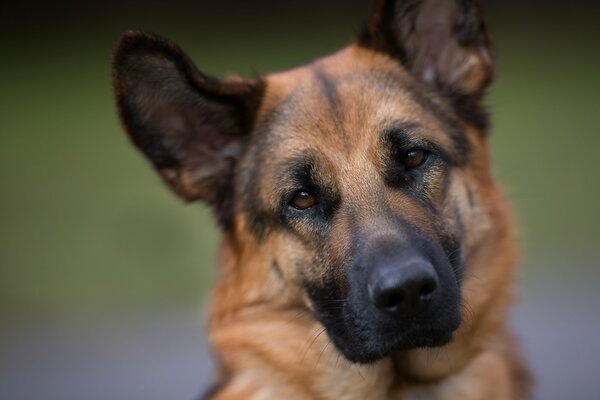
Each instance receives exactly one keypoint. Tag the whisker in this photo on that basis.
(314, 336)
(322, 351)
(358, 371)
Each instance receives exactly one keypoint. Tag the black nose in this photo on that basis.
(403, 289)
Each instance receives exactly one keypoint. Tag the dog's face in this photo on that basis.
(355, 172)
(354, 166)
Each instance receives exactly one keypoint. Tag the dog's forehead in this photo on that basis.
(345, 100)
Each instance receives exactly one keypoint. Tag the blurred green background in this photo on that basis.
(87, 227)
(86, 224)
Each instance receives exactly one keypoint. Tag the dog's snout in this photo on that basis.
(403, 289)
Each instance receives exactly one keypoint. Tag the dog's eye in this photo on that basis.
(303, 200)
(413, 158)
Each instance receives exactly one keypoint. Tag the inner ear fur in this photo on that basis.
(192, 127)
(443, 43)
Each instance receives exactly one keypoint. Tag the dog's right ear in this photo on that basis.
(193, 128)
(443, 43)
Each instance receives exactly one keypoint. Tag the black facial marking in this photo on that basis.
(470, 196)
(360, 330)
(328, 300)
(452, 246)
(247, 185)
(396, 140)
(298, 173)
(434, 105)
(329, 89)
(278, 272)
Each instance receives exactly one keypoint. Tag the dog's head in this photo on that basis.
(354, 181)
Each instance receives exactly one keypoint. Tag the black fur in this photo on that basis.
(220, 111)
(364, 334)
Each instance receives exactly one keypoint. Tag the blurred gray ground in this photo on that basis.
(163, 354)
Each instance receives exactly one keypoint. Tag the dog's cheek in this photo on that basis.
(466, 210)
(293, 266)
(323, 278)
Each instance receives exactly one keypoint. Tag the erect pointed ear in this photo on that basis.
(442, 42)
(193, 128)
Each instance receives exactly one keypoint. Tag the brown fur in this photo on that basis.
(268, 343)
(263, 331)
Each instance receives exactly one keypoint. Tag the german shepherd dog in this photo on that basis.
(366, 251)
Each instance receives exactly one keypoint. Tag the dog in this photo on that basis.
(366, 250)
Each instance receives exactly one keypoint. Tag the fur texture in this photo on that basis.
(292, 312)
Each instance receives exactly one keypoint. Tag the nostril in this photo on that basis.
(404, 292)
(393, 300)
(427, 290)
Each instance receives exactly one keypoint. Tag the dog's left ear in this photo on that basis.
(442, 42)
(192, 127)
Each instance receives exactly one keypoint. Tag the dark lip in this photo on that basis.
(414, 339)
(388, 339)
(422, 338)
(364, 335)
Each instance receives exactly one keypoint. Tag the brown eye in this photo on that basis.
(414, 158)
(303, 200)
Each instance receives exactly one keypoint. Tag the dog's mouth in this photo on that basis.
(400, 301)
(366, 338)
(398, 292)
(414, 339)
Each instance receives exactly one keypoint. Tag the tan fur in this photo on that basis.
(269, 344)
(419, 72)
